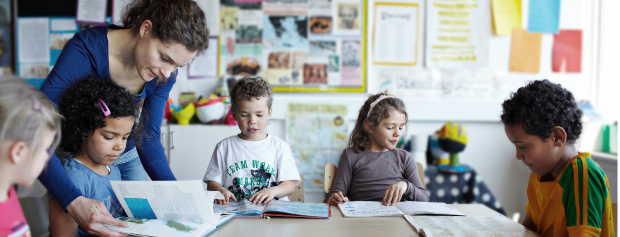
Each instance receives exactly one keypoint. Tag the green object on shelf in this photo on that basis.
(606, 138)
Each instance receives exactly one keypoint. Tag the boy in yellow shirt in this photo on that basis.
(568, 193)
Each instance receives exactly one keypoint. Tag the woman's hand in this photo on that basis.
(394, 193)
(92, 215)
(337, 198)
(227, 195)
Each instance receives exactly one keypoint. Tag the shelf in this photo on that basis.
(602, 155)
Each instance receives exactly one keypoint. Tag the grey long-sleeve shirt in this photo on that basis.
(366, 175)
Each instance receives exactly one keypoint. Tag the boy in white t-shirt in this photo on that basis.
(252, 164)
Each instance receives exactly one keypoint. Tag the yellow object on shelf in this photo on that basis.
(184, 115)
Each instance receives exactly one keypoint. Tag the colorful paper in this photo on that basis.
(506, 16)
(567, 51)
(525, 51)
(544, 16)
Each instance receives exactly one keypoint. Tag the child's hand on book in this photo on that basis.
(263, 195)
(337, 198)
(394, 193)
(227, 195)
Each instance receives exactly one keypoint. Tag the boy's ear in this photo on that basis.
(18, 152)
(559, 136)
(269, 113)
(234, 114)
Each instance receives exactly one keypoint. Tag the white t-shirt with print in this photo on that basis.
(246, 167)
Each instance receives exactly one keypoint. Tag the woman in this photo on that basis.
(157, 37)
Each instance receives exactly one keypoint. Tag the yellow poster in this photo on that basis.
(506, 16)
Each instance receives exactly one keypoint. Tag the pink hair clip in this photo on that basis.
(376, 102)
(106, 111)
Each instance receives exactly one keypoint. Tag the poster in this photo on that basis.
(395, 34)
(323, 140)
(91, 12)
(458, 34)
(40, 41)
(432, 83)
(6, 45)
(205, 65)
(295, 45)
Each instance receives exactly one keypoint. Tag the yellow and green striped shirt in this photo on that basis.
(577, 203)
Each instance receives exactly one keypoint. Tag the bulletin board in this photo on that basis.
(296, 45)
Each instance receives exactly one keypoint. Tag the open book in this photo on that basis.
(247, 209)
(467, 226)
(168, 208)
(376, 209)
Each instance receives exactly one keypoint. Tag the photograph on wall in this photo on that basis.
(348, 17)
(320, 25)
(322, 47)
(351, 49)
(315, 73)
(248, 34)
(60, 39)
(229, 18)
(286, 32)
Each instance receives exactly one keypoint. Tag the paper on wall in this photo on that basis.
(91, 12)
(458, 34)
(525, 51)
(33, 40)
(395, 34)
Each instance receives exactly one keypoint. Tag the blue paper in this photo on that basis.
(544, 16)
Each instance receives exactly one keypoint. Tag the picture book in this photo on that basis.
(377, 209)
(499, 226)
(168, 208)
(247, 209)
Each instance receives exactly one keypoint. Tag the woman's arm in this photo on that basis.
(152, 152)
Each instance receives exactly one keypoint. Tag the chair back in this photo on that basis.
(421, 173)
(614, 210)
(298, 195)
(329, 177)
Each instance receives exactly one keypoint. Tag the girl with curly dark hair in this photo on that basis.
(382, 172)
(567, 192)
(157, 37)
(100, 119)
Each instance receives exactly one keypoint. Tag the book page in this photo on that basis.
(240, 208)
(427, 208)
(167, 200)
(367, 209)
(163, 228)
(467, 226)
(320, 210)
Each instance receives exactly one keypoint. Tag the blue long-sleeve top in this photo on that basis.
(87, 54)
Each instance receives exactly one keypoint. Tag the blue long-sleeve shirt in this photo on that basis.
(87, 54)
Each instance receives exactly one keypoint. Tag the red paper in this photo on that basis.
(567, 51)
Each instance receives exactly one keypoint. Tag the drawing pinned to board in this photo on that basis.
(315, 73)
(348, 16)
(287, 31)
(229, 18)
(320, 24)
(248, 34)
(350, 51)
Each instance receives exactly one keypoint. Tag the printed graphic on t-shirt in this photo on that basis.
(20, 229)
(243, 185)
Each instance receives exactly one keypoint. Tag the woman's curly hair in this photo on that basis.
(360, 138)
(250, 87)
(81, 107)
(541, 105)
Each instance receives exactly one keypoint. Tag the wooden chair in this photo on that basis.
(298, 195)
(329, 176)
(614, 210)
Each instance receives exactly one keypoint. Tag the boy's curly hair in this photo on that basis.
(541, 105)
(250, 87)
(80, 105)
(360, 137)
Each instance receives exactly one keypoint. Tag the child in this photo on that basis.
(252, 164)
(372, 169)
(568, 193)
(100, 120)
(29, 131)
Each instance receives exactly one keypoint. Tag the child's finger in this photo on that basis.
(233, 198)
(345, 199)
(387, 196)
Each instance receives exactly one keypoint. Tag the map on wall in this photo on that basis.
(317, 135)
